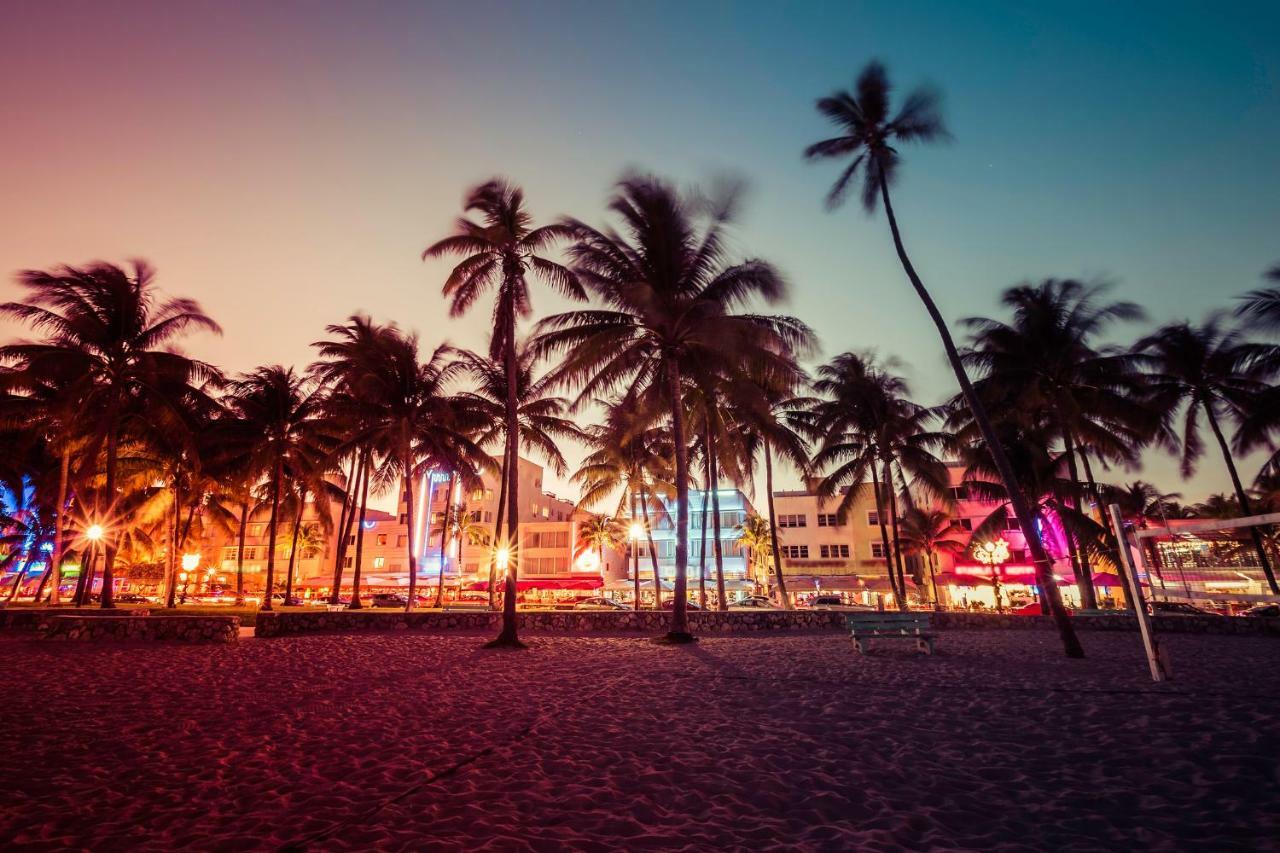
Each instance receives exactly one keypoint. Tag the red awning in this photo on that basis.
(544, 583)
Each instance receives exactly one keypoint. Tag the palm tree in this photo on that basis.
(1139, 503)
(755, 538)
(1208, 372)
(109, 326)
(601, 532)
(496, 253)
(667, 321)
(284, 409)
(1045, 368)
(539, 414)
(868, 428)
(869, 134)
(927, 533)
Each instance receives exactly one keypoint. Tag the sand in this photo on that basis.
(597, 743)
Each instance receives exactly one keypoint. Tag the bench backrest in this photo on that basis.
(887, 623)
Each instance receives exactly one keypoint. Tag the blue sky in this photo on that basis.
(286, 163)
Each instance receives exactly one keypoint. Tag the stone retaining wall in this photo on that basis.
(31, 618)
(149, 629)
(1120, 621)
(558, 621)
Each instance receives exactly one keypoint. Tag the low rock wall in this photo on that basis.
(147, 629)
(31, 618)
(551, 621)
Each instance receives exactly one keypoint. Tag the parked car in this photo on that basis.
(1262, 611)
(753, 602)
(1177, 608)
(294, 601)
(131, 598)
(670, 603)
(600, 603)
(387, 599)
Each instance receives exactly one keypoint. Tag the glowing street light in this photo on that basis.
(190, 562)
(636, 531)
(94, 533)
(993, 553)
(503, 559)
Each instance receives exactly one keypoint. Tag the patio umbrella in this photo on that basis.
(1107, 580)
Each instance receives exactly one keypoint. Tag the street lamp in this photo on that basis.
(94, 533)
(636, 531)
(993, 554)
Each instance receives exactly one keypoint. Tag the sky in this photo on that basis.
(286, 163)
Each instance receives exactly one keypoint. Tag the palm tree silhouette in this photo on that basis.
(109, 326)
(667, 320)
(869, 134)
(497, 253)
(1209, 372)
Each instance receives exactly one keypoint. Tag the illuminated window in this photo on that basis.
(379, 562)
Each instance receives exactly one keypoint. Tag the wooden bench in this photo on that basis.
(912, 627)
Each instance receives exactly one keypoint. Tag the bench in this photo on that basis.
(912, 627)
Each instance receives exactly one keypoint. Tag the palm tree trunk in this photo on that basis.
(884, 535)
(509, 635)
(406, 467)
(702, 542)
(497, 528)
(653, 550)
(108, 575)
(776, 549)
(22, 573)
(366, 464)
(1021, 507)
(293, 549)
(240, 534)
(446, 520)
(59, 524)
(84, 587)
(344, 530)
(1079, 557)
(897, 539)
(277, 483)
(722, 602)
(635, 557)
(171, 586)
(933, 580)
(679, 632)
(1243, 497)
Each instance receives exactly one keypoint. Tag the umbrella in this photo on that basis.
(1107, 580)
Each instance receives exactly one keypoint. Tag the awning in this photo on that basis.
(805, 583)
(543, 583)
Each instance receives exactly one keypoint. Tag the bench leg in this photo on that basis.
(924, 646)
(859, 647)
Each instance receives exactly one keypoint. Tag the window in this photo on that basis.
(828, 519)
(828, 552)
(877, 550)
(873, 518)
(966, 524)
(351, 539)
(404, 518)
(797, 520)
(477, 495)
(730, 519)
(1011, 523)
(379, 562)
(402, 540)
(228, 554)
(795, 552)
(251, 553)
(382, 539)
(546, 512)
(348, 562)
(472, 568)
(534, 507)
(547, 539)
(1017, 555)
(488, 517)
(959, 493)
(475, 516)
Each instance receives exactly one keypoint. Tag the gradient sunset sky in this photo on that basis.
(285, 163)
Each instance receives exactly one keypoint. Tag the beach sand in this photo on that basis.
(406, 741)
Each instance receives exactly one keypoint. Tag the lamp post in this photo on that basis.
(93, 533)
(502, 560)
(190, 562)
(636, 531)
(993, 554)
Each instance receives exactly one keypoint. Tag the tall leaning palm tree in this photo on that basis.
(498, 252)
(670, 315)
(869, 134)
(1209, 373)
(110, 326)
